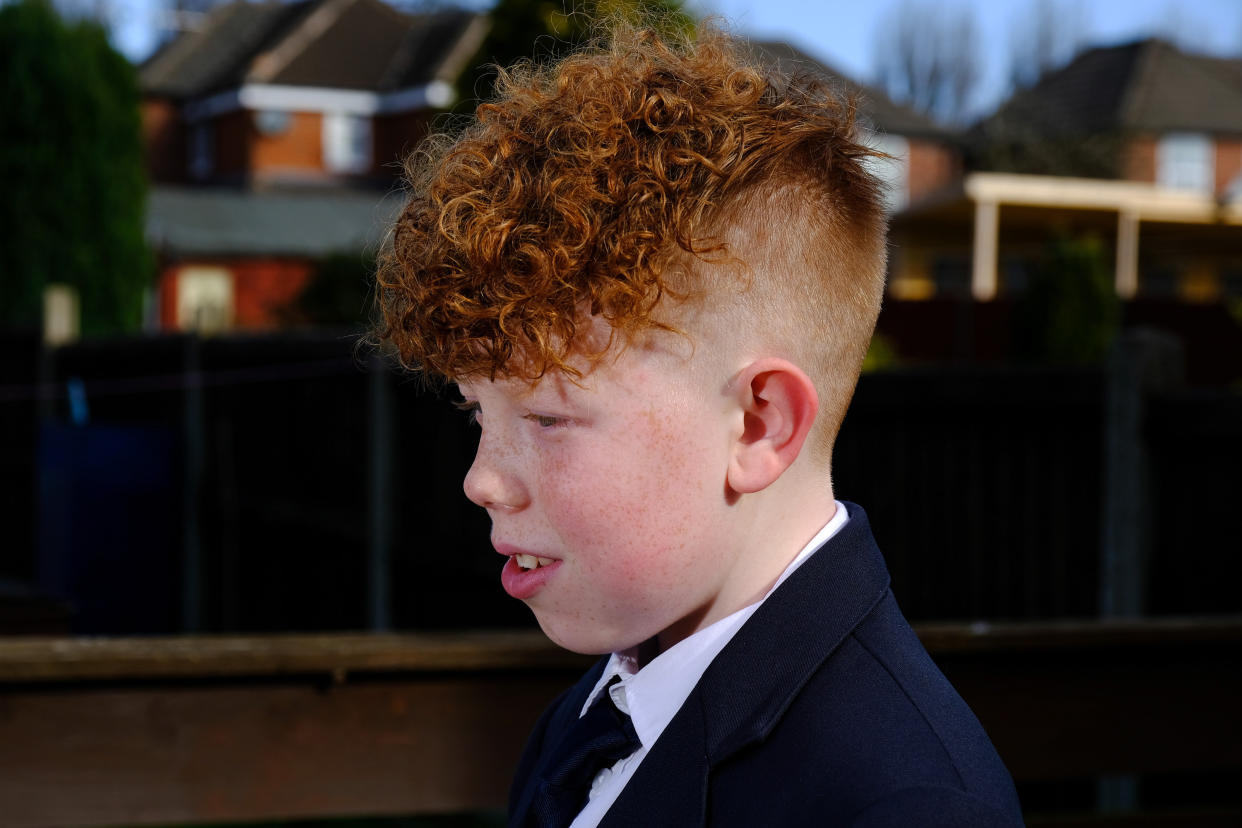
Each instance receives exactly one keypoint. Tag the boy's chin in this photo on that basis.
(577, 639)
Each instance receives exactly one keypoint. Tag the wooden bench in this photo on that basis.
(99, 732)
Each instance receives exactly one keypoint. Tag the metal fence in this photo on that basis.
(294, 483)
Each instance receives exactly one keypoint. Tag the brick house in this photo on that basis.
(926, 157)
(1139, 145)
(273, 131)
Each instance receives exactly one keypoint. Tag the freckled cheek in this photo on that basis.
(629, 524)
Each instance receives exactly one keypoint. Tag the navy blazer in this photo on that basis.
(824, 710)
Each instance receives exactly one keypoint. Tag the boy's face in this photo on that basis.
(618, 490)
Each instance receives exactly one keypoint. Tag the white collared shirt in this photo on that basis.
(653, 694)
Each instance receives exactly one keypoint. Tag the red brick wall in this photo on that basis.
(240, 152)
(166, 283)
(299, 148)
(1228, 162)
(1138, 159)
(932, 166)
(261, 288)
(164, 140)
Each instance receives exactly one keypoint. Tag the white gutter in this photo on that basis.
(260, 96)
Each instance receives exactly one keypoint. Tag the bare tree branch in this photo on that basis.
(1047, 35)
(928, 57)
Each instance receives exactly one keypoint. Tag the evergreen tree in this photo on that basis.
(542, 30)
(1070, 313)
(72, 167)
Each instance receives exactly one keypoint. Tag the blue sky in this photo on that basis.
(844, 32)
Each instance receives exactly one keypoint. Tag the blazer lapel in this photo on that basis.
(669, 789)
(791, 635)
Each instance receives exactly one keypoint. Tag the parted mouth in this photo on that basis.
(525, 561)
(528, 562)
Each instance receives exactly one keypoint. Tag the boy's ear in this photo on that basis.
(778, 403)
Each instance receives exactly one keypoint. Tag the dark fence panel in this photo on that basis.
(983, 486)
(1195, 443)
(445, 573)
(133, 380)
(283, 496)
(109, 513)
(301, 486)
(110, 477)
(19, 371)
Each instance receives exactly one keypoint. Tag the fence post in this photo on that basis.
(380, 447)
(191, 537)
(1143, 362)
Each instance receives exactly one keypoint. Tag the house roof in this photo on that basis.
(879, 111)
(1146, 86)
(339, 44)
(184, 221)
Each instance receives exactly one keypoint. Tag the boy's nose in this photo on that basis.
(489, 483)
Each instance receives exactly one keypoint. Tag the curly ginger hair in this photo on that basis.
(581, 188)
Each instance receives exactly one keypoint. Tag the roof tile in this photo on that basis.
(338, 44)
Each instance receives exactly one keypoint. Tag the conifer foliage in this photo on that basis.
(543, 30)
(71, 162)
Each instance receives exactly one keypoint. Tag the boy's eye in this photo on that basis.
(545, 421)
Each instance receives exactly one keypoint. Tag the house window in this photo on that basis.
(272, 121)
(1184, 161)
(894, 173)
(204, 299)
(346, 142)
(202, 150)
(61, 315)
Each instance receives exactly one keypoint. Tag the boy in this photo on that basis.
(653, 271)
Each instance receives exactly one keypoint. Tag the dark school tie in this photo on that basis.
(597, 740)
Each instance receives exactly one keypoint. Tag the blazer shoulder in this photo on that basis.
(877, 725)
(935, 707)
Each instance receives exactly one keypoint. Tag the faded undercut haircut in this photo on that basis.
(586, 186)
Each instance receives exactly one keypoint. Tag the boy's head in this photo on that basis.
(655, 270)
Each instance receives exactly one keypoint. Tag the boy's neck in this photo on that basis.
(767, 550)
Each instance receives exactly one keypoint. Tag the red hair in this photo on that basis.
(576, 188)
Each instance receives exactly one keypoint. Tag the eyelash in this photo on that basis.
(544, 421)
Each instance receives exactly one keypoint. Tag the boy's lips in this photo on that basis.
(524, 572)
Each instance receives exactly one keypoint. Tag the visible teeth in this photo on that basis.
(531, 561)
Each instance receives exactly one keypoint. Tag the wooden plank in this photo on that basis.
(1081, 711)
(66, 659)
(24, 659)
(1078, 635)
(185, 730)
(168, 754)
